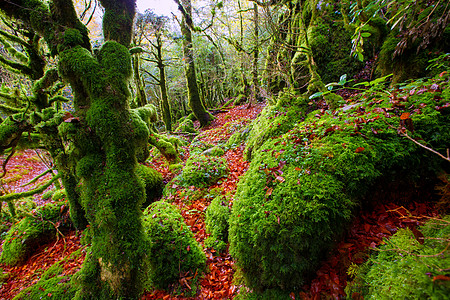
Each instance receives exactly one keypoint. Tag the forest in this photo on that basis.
(234, 149)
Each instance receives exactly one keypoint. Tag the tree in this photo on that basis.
(195, 102)
(104, 137)
(157, 26)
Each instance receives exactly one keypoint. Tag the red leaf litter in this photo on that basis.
(367, 230)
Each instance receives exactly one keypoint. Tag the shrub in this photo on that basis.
(217, 215)
(405, 268)
(172, 249)
(34, 230)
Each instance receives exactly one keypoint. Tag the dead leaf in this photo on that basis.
(359, 149)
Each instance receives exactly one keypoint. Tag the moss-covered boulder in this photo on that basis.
(216, 223)
(173, 251)
(307, 175)
(32, 231)
(186, 126)
(406, 267)
(153, 182)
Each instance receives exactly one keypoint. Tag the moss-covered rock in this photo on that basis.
(216, 223)
(307, 175)
(173, 251)
(36, 229)
(153, 182)
(407, 268)
(186, 126)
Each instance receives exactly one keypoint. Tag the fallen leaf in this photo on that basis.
(405, 116)
(359, 149)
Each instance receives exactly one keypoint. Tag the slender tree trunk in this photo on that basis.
(165, 105)
(194, 100)
(255, 84)
(141, 98)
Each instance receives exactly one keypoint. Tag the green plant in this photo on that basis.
(407, 267)
(173, 251)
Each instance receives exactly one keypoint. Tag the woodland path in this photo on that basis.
(393, 210)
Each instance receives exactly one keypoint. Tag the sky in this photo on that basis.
(160, 7)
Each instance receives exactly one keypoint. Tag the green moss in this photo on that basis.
(153, 182)
(59, 195)
(404, 268)
(216, 222)
(240, 99)
(53, 284)
(174, 251)
(214, 151)
(24, 237)
(202, 170)
(186, 126)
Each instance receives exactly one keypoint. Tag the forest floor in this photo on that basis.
(395, 209)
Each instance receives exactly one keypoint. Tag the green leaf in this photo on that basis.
(366, 34)
(315, 95)
(343, 79)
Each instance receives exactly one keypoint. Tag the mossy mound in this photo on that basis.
(153, 182)
(406, 267)
(52, 284)
(173, 251)
(202, 170)
(32, 231)
(186, 126)
(303, 184)
(216, 223)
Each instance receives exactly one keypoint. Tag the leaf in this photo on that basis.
(405, 116)
(315, 95)
(366, 34)
(359, 149)
(343, 79)
(269, 191)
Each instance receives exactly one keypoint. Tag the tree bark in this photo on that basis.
(194, 100)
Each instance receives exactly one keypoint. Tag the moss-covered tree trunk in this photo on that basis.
(195, 102)
(106, 135)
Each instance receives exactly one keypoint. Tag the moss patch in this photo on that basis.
(404, 268)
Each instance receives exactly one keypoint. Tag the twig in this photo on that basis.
(427, 148)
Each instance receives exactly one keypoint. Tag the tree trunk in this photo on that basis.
(255, 83)
(165, 105)
(194, 100)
